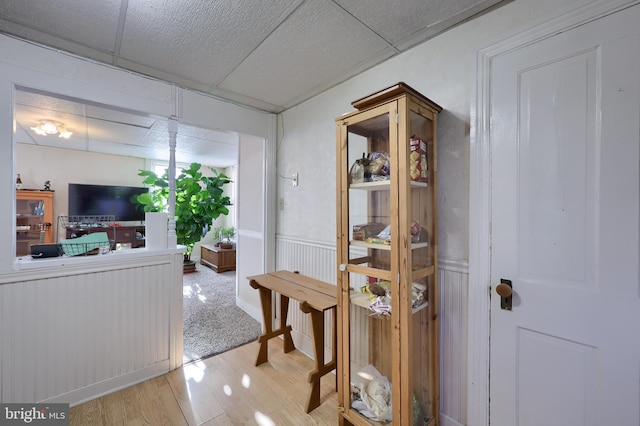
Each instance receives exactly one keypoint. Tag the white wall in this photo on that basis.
(443, 70)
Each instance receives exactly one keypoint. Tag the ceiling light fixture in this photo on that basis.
(48, 127)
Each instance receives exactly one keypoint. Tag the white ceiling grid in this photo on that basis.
(269, 55)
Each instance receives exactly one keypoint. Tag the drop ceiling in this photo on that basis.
(103, 129)
(269, 55)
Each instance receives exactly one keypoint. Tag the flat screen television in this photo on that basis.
(120, 201)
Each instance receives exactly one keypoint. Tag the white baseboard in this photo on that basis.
(253, 311)
(94, 391)
(448, 421)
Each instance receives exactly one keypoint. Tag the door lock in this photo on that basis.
(505, 291)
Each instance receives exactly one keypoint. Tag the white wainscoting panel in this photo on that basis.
(72, 337)
(318, 261)
(453, 278)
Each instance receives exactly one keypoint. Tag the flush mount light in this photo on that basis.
(48, 127)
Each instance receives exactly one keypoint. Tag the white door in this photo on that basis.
(565, 116)
(251, 213)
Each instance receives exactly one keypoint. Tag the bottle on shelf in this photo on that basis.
(18, 182)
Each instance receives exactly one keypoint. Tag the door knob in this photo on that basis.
(505, 291)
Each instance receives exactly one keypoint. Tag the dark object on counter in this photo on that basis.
(40, 251)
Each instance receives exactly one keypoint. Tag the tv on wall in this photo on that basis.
(120, 201)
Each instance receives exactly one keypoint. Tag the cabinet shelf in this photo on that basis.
(356, 243)
(383, 185)
(362, 300)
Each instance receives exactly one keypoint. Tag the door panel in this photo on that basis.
(565, 227)
(541, 356)
(556, 170)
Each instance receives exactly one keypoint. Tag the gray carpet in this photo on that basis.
(212, 322)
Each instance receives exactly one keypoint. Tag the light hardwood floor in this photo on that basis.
(226, 389)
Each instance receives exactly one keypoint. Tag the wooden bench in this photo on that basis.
(315, 298)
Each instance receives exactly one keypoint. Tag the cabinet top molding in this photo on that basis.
(391, 92)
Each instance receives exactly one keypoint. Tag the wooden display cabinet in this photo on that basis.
(387, 254)
(34, 219)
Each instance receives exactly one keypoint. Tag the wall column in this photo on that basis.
(172, 239)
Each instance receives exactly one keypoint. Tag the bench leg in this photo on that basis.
(267, 318)
(317, 328)
(284, 313)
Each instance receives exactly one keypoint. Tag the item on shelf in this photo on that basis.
(376, 288)
(415, 231)
(89, 244)
(378, 166)
(418, 167)
(18, 182)
(366, 230)
(372, 397)
(383, 237)
(356, 174)
(379, 294)
(47, 185)
(418, 294)
(41, 251)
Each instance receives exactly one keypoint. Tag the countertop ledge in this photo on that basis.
(65, 265)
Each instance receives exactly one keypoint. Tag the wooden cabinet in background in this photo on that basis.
(34, 219)
(218, 259)
(387, 251)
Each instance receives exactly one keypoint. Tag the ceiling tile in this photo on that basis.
(93, 22)
(126, 134)
(197, 39)
(117, 116)
(317, 42)
(113, 148)
(395, 23)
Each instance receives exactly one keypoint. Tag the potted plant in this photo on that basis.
(199, 201)
(224, 234)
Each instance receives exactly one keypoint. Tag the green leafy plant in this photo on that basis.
(199, 201)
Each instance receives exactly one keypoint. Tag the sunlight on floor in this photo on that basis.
(189, 291)
(263, 420)
(194, 371)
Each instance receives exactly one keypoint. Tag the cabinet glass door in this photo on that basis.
(419, 310)
(372, 259)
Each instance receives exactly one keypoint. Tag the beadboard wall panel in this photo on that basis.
(318, 261)
(453, 279)
(73, 337)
